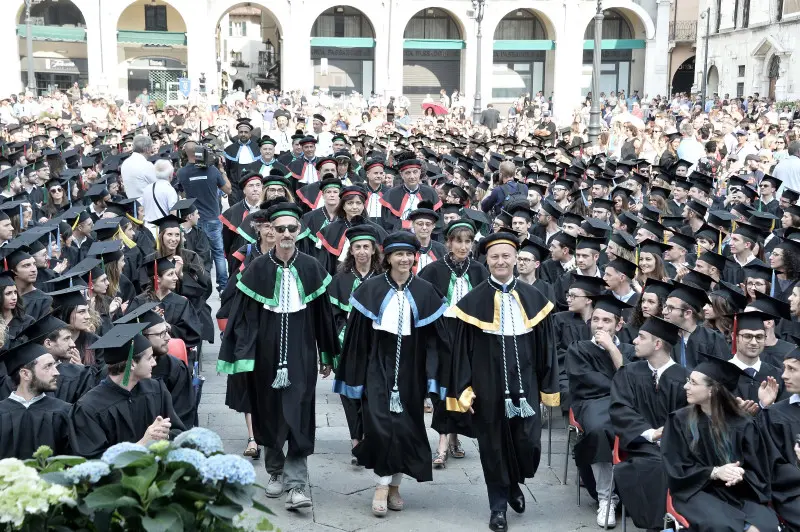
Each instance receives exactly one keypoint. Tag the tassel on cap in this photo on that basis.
(126, 377)
(155, 275)
(735, 333)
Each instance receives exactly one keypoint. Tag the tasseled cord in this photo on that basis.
(524, 409)
(126, 377)
(282, 374)
(395, 405)
(735, 333)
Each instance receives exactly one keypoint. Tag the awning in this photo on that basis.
(53, 33)
(152, 38)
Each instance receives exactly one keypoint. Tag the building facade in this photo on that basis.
(751, 47)
(413, 47)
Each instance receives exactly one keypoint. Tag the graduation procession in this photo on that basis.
(452, 297)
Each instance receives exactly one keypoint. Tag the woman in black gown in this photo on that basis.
(715, 456)
(13, 312)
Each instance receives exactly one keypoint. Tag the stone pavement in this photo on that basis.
(455, 501)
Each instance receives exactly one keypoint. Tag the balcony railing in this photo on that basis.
(240, 64)
(683, 31)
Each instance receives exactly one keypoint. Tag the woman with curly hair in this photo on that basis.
(651, 262)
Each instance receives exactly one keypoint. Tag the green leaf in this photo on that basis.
(260, 507)
(227, 511)
(187, 517)
(140, 483)
(109, 498)
(56, 477)
(164, 521)
(67, 460)
(238, 494)
(265, 525)
(166, 487)
(134, 459)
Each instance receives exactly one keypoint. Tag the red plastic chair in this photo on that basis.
(222, 323)
(672, 515)
(177, 348)
(618, 456)
(575, 427)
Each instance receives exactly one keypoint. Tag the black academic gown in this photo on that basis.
(232, 219)
(196, 286)
(748, 388)
(590, 371)
(545, 288)
(144, 240)
(36, 303)
(234, 169)
(251, 344)
(427, 256)
(332, 242)
(781, 424)
(394, 442)
(550, 270)
(298, 169)
(395, 202)
(774, 354)
(637, 405)
(16, 326)
(510, 448)
(315, 221)
(569, 329)
(23, 430)
(703, 343)
(443, 275)
(707, 504)
(75, 380)
(110, 414)
(263, 169)
(43, 278)
(178, 379)
(197, 240)
(179, 313)
(561, 286)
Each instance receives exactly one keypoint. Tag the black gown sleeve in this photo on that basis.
(628, 422)
(685, 476)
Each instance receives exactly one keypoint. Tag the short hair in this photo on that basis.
(794, 148)
(711, 146)
(164, 169)
(142, 144)
(119, 367)
(15, 377)
(507, 169)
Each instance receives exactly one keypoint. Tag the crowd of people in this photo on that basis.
(498, 274)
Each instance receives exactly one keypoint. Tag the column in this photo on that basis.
(382, 73)
(394, 38)
(469, 61)
(297, 72)
(656, 79)
(568, 65)
(201, 52)
(11, 80)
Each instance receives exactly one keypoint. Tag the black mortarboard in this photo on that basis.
(690, 295)
(776, 308)
(169, 221)
(698, 207)
(121, 344)
(551, 208)
(732, 294)
(589, 284)
(752, 320)
(748, 231)
(654, 227)
(722, 371)
(572, 218)
(657, 287)
(667, 331)
(20, 355)
(771, 179)
(424, 210)
(184, 207)
(68, 297)
(609, 303)
(625, 267)
(601, 203)
(763, 220)
(143, 314)
(700, 280)
(536, 249)
(714, 259)
(588, 242)
(685, 241)
(624, 240)
(758, 271)
(162, 264)
(653, 246)
(791, 195)
(565, 239)
(630, 221)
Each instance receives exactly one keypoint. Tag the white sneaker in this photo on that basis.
(606, 506)
(274, 487)
(297, 499)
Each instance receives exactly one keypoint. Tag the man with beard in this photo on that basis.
(280, 293)
(29, 417)
(122, 406)
(304, 168)
(267, 162)
(399, 201)
(171, 371)
(239, 155)
(643, 393)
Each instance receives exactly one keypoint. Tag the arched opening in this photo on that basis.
(712, 81)
(151, 51)
(622, 53)
(523, 55)
(248, 46)
(58, 29)
(683, 79)
(343, 51)
(773, 74)
(433, 45)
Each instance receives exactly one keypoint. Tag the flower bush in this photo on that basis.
(187, 484)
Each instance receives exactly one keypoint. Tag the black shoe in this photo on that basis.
(516, 499)
(497, 522)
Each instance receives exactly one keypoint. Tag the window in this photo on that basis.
(791, 7)
(746, 14)
(741, 71)
(432, 23)
(520, 25)
(236, 57)
(740, 90)
(615, 26)
(342, 21)
(155, 18)
(237, 28)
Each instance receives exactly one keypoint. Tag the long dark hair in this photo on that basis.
(64, 313)
(375, 264)
(18, 311)
(638, 317)
(723, 409)
(722, 309)
(791, 264)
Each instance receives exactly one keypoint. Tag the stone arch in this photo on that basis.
(642, 25)
(370, 10)
(540, 17)
(182, 7)
(276, 10)
(712, 80)
(459, 22)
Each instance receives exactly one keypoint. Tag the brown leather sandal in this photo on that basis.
(440, 460)
(456, 451)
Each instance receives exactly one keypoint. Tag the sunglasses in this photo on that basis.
(56, 189)
(286, 228)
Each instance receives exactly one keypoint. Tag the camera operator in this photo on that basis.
(201, 181)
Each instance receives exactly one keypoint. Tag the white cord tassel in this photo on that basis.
(394, 401)
(281, 378)
(525, 409)
(511, 410)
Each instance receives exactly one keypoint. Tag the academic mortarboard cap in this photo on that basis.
(763, 220)
(43, 327)
(653, 246)
(660, 328)
(722, 371)
(551, 208)
(749, 231)
(521, 210)
(595, 228)
(20, 355)
(144, 314)
(625, 267)
(572, 218)
(775, 308)
(624, 240)
(751, 320)
(639, 178)
(683, 162)
(732, 294)
(588, 242)
(609, 303)
(758, 271)
(630, 221)
(68, 297)
(657, 287)
(621, 191)
(742, 210)
(505, 218)
(185, 207)
(654, 227)
(539, 251)
(588, 283)
(660, 191)
(685, 241)
(648, 212)
(682, 183)
(6, 279)
(691, 295)
(698, 207)
(701, 183)
(121, 344)
(714, 259)
(601, 203)
(772, 179)
(169, 221)
(106, 228)
(152, 262)
(450, 208)
(697, 279)
(97, 192)
(565, 239)
(791, 195)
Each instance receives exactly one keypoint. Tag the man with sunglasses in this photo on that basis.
(280, 329)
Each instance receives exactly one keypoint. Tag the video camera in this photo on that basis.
(206, 155)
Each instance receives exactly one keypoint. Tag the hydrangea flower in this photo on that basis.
(31, 496)
(87, 471)
(189, 456)
(114, 451)
(13, 470)
(228, 467)
(206, 441)
(159, 446)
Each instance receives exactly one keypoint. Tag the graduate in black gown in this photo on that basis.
(11, 309)
(393, 333)
(775, 349)
(684, 308)
(503, 365)
(453, 277)
(128, 405)
(310, 196)
(400, 200)
(280, 327)
(531, 255)
(748, 344)
(319, 218)
(643, 393)
(650, 304)
(239, 155)
(591, 366)
(194, 238)
(232, 218)
(362, 262)
(30, 417)
(715, 456)
(24, 271)
(71, 307)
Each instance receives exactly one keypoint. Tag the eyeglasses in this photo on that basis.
(526, 261)
(286, 228)
(570, 295)
(162, 334)
(56, 189)
(669, 308)
(747, 337)
(757, 284)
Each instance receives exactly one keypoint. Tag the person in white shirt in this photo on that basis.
(137, 172)
(324, 138)
(159, 198)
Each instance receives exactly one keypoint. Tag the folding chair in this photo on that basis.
(617, 456)
(674, 517)
(222, 323)
(575, 427)
(178, 349)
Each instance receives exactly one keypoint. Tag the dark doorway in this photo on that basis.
(683, 79)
